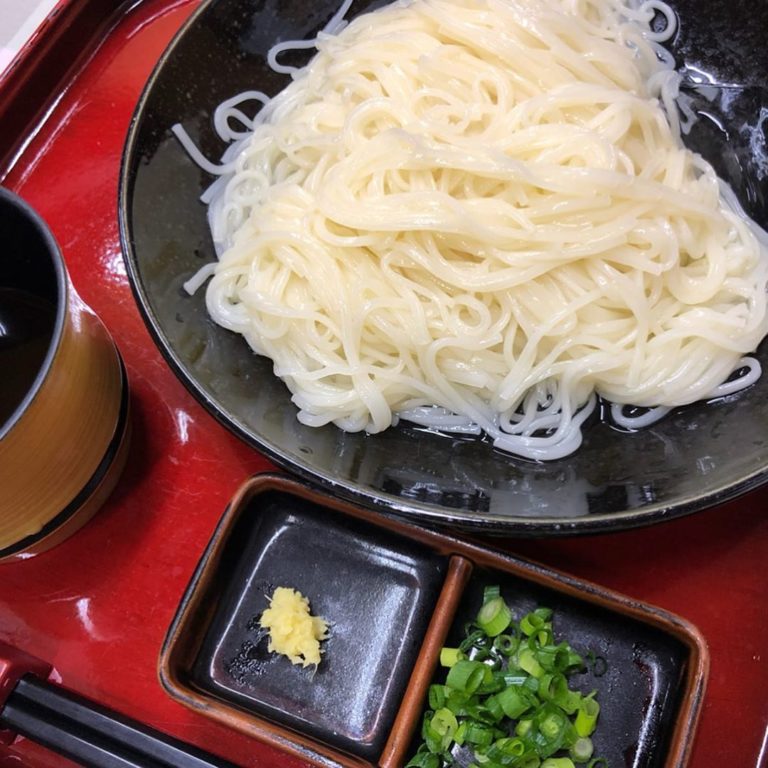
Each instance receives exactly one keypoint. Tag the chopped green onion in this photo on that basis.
(437, 696)
(506, 644)
(506, 701)
(551, 725)
(581, 750)
(523, 728)
(559, 658)
(558, 762)
(457, 703)
(424, 760)
(532, 684)
(586, 716)
(491, 592)
(536, 624)
(551, 685)
(515, 701)
(527, 660)
(466, 676)
(449, 656)
(532, 622)
(494, 708)
(481, 735)
(554, 687)
(495, 684)
(476, 639)
(494, 616)
(444, 725)
(483, 713)
(503, 749)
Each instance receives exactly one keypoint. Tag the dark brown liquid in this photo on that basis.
(26, 328)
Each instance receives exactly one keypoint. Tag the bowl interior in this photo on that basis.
(697, 456)
(32, 305)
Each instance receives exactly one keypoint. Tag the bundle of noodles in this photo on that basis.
(479, 215)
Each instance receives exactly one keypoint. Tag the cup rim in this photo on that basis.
(11, 199)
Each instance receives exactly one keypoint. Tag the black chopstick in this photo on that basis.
(92, 735)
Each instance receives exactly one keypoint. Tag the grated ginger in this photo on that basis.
(293, 632)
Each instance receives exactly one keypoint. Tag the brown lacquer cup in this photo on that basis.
(63, 393)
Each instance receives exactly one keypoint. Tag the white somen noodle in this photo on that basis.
(478, 215)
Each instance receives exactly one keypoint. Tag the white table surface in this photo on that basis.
(18, 20)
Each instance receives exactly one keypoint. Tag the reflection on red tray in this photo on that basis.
(99, 605)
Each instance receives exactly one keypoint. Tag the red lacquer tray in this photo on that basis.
(98, 606)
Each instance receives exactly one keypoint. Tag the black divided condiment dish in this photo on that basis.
(394, 594)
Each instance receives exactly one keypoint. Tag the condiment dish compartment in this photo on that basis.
(377, 593)
(394, 594)
(637, 663)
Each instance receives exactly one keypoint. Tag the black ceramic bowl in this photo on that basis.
(696, 457)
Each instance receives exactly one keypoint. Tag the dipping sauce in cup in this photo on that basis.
(63, 393)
